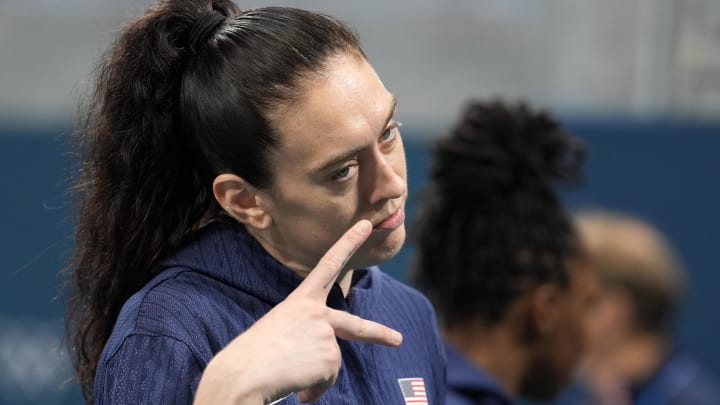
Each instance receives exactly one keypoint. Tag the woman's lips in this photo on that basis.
(392, 222)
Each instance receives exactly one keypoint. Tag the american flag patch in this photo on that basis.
(413, 390)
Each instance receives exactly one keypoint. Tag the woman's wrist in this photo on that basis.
(223, 383)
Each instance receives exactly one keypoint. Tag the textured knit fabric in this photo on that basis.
(470, 385)
(218, 285)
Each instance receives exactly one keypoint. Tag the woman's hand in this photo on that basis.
(293, 348)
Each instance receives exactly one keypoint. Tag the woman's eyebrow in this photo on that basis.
(340, 158)
(391, 113)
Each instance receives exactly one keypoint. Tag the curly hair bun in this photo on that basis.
(497, 147)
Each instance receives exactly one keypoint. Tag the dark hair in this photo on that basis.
(182, 96)
(490, 224)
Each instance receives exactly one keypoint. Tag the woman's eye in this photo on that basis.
(344, 173)
(390, 132)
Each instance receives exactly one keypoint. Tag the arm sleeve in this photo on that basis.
(148, 370)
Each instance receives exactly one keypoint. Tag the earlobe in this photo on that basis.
(241, 200)
(545, 308)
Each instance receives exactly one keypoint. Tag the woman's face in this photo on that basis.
(340, 159)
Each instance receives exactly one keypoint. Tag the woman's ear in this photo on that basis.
(241, 200)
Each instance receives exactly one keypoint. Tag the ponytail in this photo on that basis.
(138, 192)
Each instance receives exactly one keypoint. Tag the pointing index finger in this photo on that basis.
(331, 265)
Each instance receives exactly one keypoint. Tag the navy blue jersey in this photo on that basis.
(218, 285)
(681, 380)
(470, 385)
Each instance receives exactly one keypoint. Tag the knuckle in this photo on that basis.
(331, 361)
(331, 261)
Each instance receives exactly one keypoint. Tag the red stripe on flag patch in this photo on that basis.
(413, 390)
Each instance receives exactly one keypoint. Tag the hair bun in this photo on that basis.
(498, 148)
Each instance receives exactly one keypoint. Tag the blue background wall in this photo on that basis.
(663, 171)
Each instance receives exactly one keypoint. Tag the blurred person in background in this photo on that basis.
(223, 153)
(499, 257)
(631, 356)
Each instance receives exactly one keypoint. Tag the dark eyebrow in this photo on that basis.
(342, 158)
(391, 113)
(347, 155)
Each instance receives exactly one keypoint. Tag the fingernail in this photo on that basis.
(363, 226)
(397, 337)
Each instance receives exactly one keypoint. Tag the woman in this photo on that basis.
(224, 152)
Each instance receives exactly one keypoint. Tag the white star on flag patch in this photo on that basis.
(413, 390)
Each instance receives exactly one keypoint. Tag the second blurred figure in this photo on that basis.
(631, 357)
(499, 257)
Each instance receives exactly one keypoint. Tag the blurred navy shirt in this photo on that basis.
(470, 385)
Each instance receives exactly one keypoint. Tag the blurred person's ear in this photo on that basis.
(608, 325)
(545, 308)
(540, 313)
(241, 200)
(618, 305)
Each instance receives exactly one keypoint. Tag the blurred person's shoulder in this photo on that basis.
(683, 380)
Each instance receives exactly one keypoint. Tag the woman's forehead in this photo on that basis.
(347, 105)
